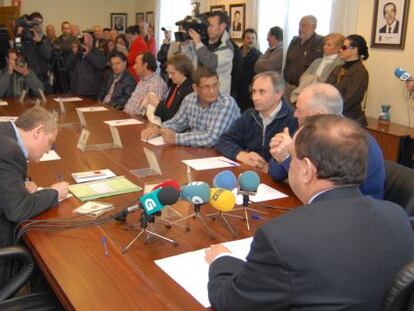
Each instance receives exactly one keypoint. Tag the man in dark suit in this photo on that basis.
(340, 251)
(32, 134)
(392, 24)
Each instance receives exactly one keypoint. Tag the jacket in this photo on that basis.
(122, 90)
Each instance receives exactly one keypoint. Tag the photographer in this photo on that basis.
(36, 49)
(86, 64)
(17, 77)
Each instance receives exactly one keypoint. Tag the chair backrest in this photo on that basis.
(399, 296)
(399, 185)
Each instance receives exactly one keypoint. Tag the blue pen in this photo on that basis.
(105, 245)
(60, 177)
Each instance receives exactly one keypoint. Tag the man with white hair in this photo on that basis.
(317, 99)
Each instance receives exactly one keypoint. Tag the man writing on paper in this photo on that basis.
(203, 116)
(340, 251)
(32, 134)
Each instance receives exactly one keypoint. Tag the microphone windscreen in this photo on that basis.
(222, 200)
(249, 181)
(150, 202)
(402, 74)
(226, 180)
(168, 195)
(168, 183)
(196, 192)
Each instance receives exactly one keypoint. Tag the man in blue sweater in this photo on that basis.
(248, 139)
(316, 99)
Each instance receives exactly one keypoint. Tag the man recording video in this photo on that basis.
(17, 77)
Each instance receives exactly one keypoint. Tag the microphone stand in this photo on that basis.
(245, 207)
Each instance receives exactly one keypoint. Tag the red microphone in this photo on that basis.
(168, 183)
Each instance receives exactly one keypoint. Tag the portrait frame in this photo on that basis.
(119, 21)
(389, 36)
(139, 17)
(237, 24)
(149, 18)
(221, 8)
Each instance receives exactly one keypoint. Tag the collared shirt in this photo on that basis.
(326, 60)
(108, 96)
(390, 28)
(153, 83)
(205, 125)
(267, 121)
(20, 141)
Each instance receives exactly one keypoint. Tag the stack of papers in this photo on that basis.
(68, 99)
(210, 163)
(123, 122)
(103, 188)
(93, 208)
(86, 176)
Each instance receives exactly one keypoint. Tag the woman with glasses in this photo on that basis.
(351, 78)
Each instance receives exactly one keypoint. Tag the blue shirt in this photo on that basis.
(20, 141)
(201, 127)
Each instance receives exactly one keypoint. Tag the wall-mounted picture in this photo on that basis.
(119, 21)
(237, 20)
(139, 17)
(150, 18)
(214, 8)
(389, 26)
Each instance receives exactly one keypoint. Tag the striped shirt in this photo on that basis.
(201, 127)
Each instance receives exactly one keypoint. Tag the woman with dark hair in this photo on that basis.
(351, 78)
(118, 84)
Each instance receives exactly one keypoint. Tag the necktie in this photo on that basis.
(389, 29)
(170, 100)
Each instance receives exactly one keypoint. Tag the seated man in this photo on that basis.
(321, 98)
(149, 82)
(248, 139)
(17, 77)
(340, 251)
(32, 134)
(203, 116)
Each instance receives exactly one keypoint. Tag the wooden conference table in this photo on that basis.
(74, 261)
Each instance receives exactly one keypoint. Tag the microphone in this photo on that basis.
(222, 200)
(226, 180)
(196, 192)
(402, 74)
(249, 181)
(168, 183)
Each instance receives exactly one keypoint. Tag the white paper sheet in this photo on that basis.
(60, 200)
(86, 176)
(194, 280)
(68, 99)
(123, 122)
(156, 141)
(7, 119)
(92, 109)
(264, 193)
(3, 103)
(50, 156)
(210, 163)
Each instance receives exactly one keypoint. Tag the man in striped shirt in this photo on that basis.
(203, 116)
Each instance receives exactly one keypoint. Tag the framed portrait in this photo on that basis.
(139, 17)
(214, 8)
(389, 25)
(119, 21)
(237, 20)
(149, 18)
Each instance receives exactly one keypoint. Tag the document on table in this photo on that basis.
(210, 163)
(3, 103)
(123, 122)
(7, 119)
(50, 156)
(92, 109)
(86, 176)
(156, 141)
(194, 280)
(60, 200)
(103, 188)
(264, 193)
(68, 99)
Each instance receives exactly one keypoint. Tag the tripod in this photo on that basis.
(245, 207)
(60, 73)
(145, 221)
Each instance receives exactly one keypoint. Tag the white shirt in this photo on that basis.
(326, 60)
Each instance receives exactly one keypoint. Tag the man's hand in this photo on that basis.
(214, 250)
(75, 48)
(150, 132)
(168, 135)
(62, 188)
(36, 37)
(252, 158)
(11, 66)
(194, 35)
(279, 145)
(410, 86)
(30, 186)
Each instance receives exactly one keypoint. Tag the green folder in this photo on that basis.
(103, 188)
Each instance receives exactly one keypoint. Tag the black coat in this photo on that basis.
(122, 90)
(247, 72)
(340, 252)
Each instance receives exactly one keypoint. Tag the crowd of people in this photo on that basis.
(302, 123)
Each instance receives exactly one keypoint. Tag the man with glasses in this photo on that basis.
(204, 114)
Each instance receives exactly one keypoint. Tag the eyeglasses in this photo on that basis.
(344, 47)
(207, 88)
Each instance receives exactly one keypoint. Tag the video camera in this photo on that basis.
(198, 23)
(27, 23)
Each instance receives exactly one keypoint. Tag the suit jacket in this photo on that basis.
(341, 252)
(122, 90)
(383, 29)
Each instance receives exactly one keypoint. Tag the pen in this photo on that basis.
(229, 162)
(104, 242)
(60, 177)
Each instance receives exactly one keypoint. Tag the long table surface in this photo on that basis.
(74, 261)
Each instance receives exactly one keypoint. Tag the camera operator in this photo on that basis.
(4, 45)
(36, 49)
(86, 64)
(218, 53)
(17, 77)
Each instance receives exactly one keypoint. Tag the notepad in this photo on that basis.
(68, 99)
(50, 156)
(93, 208)
(210, 163)
(7, 119)
(103, 188)
(123, 122)
(86, 176)
(92, 109)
